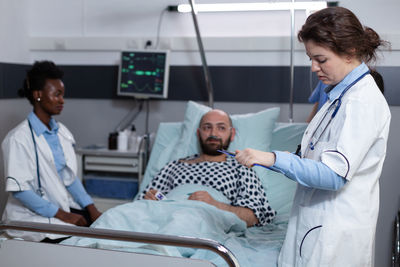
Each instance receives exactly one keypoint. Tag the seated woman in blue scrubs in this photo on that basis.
(40, 162)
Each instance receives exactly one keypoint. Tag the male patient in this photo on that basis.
(211, 168)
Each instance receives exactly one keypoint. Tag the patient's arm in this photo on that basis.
(245, 214)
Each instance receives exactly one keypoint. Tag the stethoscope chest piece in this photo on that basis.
(312, 146)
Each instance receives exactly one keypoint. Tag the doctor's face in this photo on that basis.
(215, 132)
(329, 67)
(52, 97)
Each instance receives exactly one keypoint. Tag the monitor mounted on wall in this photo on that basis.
(143, 74)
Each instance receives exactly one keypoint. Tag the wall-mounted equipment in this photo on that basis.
(143, 74)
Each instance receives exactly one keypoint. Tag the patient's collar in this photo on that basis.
(219, 158)
(204, 158)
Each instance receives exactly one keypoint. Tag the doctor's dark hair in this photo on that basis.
(36, 78)
(378, 80)
(339, 30)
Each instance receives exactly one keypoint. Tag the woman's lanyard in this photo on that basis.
(39, 191)
(336, 103)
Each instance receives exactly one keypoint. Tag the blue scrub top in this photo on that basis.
(319, 95)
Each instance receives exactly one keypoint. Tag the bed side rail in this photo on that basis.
(396, 242)
(168, 240)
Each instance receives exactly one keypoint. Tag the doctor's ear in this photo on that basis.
(37, 94)
(351, 56)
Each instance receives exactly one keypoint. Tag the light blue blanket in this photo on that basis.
(256, 246)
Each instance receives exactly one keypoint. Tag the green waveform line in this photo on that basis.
(146, 88)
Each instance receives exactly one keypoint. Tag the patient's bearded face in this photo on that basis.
(212, 143)
(215, 132)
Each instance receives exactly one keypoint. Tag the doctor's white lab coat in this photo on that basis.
(21, 174)
(337, 228)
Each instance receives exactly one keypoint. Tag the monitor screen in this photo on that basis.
(143, 74)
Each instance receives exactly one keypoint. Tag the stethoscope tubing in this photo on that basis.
(37, 161)
(339, 103)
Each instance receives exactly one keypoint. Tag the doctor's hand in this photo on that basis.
(94, 213)
(249, 157)
(151, 194)
(203, 196)
(71, 218)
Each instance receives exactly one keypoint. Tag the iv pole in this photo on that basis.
(291, 62)
(203, 58)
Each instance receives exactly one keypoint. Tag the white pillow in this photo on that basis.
(253, 130)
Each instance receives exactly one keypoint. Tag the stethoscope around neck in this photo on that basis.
(335, 104)
(39, 190)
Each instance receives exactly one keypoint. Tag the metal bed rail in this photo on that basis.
(168, 240)
(396, 242)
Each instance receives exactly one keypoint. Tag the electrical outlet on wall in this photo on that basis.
(149, 44)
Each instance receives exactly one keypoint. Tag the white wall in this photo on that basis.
(13, 48)
(14, 41)
(93, 31)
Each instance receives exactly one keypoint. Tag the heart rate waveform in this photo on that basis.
(143, 73)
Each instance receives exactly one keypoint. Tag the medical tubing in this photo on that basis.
(119, 235)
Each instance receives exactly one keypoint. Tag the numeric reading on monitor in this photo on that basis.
(143, 74)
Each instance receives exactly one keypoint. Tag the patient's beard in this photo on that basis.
(212, 150)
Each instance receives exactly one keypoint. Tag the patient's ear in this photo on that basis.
(233, 133)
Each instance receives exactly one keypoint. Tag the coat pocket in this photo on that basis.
(308, 235)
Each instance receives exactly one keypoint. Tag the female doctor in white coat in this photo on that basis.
(40, 162)
(335, 208)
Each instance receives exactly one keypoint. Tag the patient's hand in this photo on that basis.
(203, 196)
(151, 194)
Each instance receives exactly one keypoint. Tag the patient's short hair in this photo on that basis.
(229, 117)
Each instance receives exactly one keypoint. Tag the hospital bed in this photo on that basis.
(255, 246)
(396, 241)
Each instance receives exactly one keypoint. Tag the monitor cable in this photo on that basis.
(159, 27)
(122, 125)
